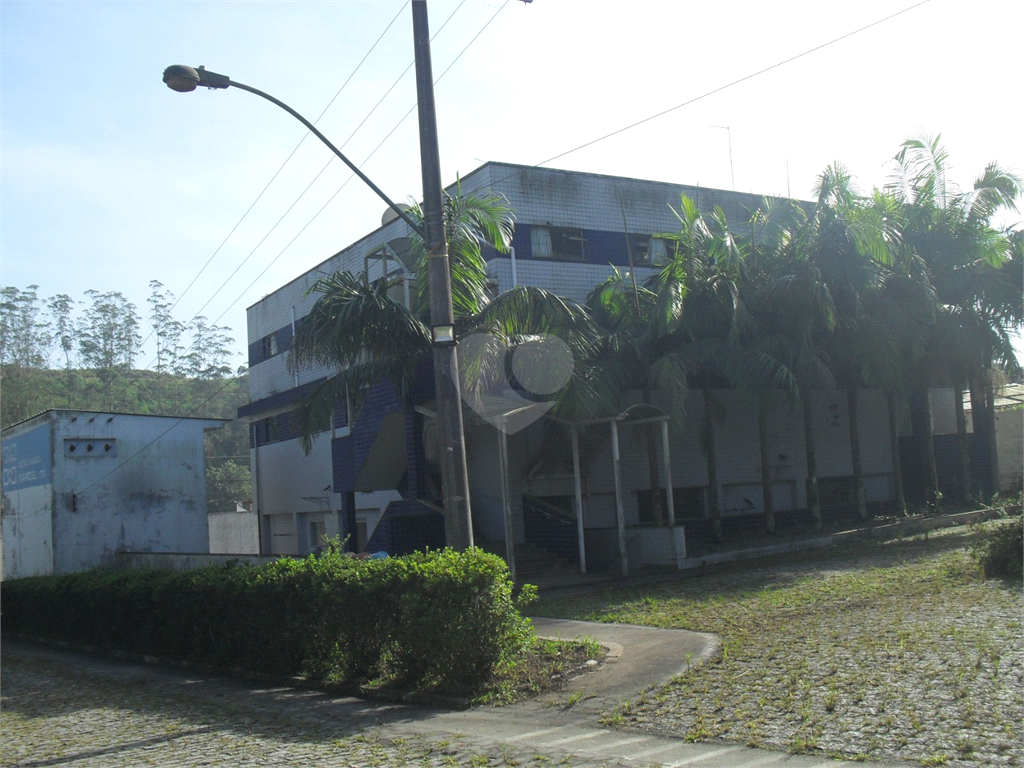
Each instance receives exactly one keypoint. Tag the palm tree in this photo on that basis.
(365, 337)
(973, 271)
(794, 313)
(625, 316)
(700, 323)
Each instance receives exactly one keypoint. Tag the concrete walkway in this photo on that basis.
(180, 718)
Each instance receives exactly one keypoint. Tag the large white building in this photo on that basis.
(370, 479)
(80, 486)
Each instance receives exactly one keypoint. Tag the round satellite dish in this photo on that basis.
(389, 214)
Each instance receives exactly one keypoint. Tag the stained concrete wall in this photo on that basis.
(236, 533)
(113, 482)
(294, 495)
(1010, 444)
(26, 519)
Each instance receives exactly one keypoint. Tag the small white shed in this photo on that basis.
(79, 486)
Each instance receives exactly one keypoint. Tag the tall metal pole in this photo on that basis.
(732, 174)
(451, 437)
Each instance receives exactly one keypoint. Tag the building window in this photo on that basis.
(268, 346)
(564, 243)
(273, 429)
(651, 251)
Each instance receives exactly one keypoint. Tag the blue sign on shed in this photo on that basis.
(26, 459)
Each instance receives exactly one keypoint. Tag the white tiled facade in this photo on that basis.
(603, 208)
(538, 196)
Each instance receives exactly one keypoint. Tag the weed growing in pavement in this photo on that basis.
(901, 636)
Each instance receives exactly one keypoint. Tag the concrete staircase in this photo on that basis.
(531, 559)
(536, 565)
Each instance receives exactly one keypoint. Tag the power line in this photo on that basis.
(734, 82)
(543, 162)
(229, 381)
(310, 185)
(292, 153)
(278, 172)
(365, 160)
(267, 186)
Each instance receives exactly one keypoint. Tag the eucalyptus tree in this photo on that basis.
(24, 346)
(166, 330)
(24, 333)
(61, 309)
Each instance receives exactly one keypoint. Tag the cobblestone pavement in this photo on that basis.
(63, 709)
(55, 714)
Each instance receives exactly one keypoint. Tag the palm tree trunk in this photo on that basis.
(714, 505)
(991, 441)
(652, 466)
(858, 470)
(766, 471)
(984, 425)
(961, 434)
(921, 413)
(813, 497)
(894, 447)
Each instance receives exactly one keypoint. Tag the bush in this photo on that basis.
(437, 619)
(1001, 551)
(450, 605)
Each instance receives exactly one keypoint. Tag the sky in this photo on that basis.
(111, 180)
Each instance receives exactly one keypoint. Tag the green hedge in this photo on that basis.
(437, 619)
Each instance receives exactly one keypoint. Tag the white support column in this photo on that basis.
(668, 490)
(579, 498)
(506, 501)
(295, 376)
(620, 511)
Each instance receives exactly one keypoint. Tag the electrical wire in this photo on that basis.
(734, 82)
(229, 381)
(543, 162)
(365, 161)
(292, 153)
(272, 178)
(263, 191)
(310, 185)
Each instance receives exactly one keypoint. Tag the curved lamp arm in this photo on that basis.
(184, 79)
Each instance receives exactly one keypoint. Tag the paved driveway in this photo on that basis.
(83, 711)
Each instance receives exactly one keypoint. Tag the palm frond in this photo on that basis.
(354, 319)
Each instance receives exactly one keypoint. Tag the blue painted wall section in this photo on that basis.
(348, 454)
(284, 342)
(26, 459)
(406, 525)
(278, 400)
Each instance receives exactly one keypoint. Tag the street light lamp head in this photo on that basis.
(181, 78)
(184, 79)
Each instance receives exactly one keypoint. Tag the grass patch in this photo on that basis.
(895, 650)
(545, 666)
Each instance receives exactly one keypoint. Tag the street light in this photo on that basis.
(184, 79)
(451, 437)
